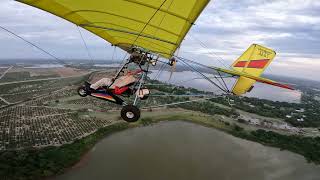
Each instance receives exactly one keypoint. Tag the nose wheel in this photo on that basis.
(82, 91)
(130, 113)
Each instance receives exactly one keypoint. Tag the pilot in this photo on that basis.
(128, 78)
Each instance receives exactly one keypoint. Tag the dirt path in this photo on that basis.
(6, 72)
(5, 101)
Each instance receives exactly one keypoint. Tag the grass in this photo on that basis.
(188, 116)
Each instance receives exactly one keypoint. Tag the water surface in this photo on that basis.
(180, 150)
(262, 91)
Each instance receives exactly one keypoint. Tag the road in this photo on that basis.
(6, 72)
(5, 101)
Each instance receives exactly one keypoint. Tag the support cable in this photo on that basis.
(34, 45)
(202, 65)
(225, 85)
(220, 59)
(159, 72)
(85, 45)
(205, 77)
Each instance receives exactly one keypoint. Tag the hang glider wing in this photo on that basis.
(249, 67)
(157, 25)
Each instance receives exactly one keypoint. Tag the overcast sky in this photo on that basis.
(227, 27)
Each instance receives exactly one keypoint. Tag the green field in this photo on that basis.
(22, 76)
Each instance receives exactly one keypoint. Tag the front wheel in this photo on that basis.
(82, 91)
(130, 113)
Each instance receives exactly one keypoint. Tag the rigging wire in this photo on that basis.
(123, 62)
(224, 83)
(222, 87)
(193, 62)
(85, 45)
(34, 45)
(205, 77)
(159, 72)
(220, 59)
(202, 65)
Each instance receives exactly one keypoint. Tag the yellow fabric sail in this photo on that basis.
(156, 25)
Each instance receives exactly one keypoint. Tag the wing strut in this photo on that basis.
(221, 87)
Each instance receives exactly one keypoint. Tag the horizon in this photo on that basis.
(106, 61)
(226, 27)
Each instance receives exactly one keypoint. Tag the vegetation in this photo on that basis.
(24, 91)
(22, 76)
(33, 163)
(291, 112)
(310, 117)
(209, 108)
(306, 146)
(38, 163)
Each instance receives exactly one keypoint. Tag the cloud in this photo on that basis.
(291, 27)
(226, 28)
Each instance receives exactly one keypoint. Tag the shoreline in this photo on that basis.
(78, 152)
(141, 123)
(220, 126)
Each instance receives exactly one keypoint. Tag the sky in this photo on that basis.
(226, 27)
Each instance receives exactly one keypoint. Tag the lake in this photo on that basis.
(180, 150)
(262, 91)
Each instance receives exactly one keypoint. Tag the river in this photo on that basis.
(180, 150)
(262, 91)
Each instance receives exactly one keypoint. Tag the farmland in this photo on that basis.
(28, 117)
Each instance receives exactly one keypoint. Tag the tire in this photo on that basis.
(82, 91)
(130, 113)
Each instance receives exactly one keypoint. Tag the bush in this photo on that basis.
(39, 163)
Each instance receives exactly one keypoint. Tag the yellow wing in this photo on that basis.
(156, 25)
